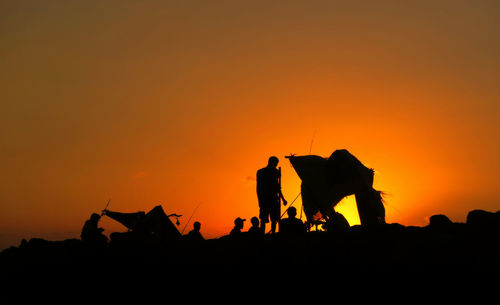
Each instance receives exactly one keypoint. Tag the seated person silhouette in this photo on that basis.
(195, 235)
(91, 233)
(238, 226)
(255, 230)
(291, 226)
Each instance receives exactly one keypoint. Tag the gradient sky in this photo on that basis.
(179, 103)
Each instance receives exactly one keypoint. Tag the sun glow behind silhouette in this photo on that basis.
(181, 103)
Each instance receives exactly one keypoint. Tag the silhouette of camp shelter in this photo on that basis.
(155, 223)
(325, 182)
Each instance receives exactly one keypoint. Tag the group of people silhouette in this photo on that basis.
(290, 226)
(269, 197)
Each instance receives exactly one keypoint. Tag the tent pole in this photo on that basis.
(290, 205)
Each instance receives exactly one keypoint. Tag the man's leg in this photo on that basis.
(264, 218)
(263, 225)
(275, 217)
(273, 227)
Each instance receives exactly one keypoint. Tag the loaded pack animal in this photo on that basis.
(326, 181)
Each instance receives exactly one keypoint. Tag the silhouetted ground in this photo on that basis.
(317, 264)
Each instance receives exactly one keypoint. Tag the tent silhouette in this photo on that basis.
(155, 222)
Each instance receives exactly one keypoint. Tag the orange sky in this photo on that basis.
(180, 103)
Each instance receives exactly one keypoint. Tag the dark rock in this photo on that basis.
(483, 219)
(440, 221)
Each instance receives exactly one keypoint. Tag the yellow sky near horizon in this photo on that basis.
(180, 103)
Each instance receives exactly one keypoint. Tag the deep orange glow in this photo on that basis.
(180, 104)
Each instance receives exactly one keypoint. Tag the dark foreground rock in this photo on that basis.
(380, 257)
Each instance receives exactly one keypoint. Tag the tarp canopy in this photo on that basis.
(326, 181)
(154, 222)
(131, 221)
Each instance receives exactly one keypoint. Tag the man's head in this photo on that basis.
(197, 226)
(95, 217)
(255, 221)
(273, 161)
(238, 222)
(292, 212)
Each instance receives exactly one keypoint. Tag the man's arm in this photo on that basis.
(282, 198)
(280, 194)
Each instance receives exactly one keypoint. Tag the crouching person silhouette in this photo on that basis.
(195, 235)
(238, 226)
(91, 233)
(292, 226)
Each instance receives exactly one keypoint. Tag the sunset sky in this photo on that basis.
(179, 103)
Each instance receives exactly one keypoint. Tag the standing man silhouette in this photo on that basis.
(269, 193)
